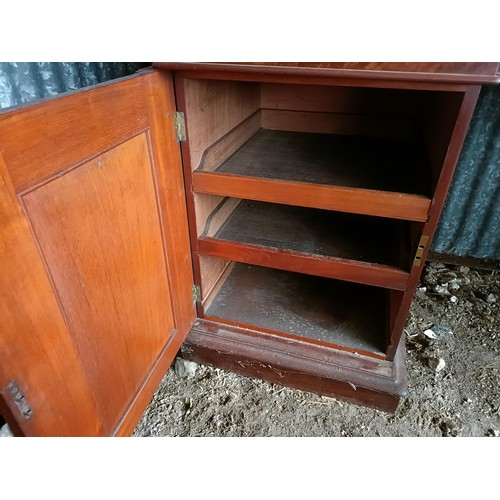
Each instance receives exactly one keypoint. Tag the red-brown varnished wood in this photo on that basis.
(187, 168)
(328, 80)
(84, 122)
(107, 216)
(453, 151)
(299, 364)
(448, 72)
(36, 349)
(99, 235)
(165, 156)
(343, 199)
(343, 269)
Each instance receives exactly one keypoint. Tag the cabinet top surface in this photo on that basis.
(447, 72)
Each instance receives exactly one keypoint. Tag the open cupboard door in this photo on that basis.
(95, 268)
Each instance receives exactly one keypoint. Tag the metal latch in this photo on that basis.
(420, 250)
(196, 293)
(19, 399)
(180, 126)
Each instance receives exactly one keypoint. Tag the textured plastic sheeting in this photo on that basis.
(21, 83)
(470, 222)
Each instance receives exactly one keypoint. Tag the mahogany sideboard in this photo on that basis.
(268, 218)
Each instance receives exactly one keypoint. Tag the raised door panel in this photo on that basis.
(36, 353)
(95, 182)
(100, 237)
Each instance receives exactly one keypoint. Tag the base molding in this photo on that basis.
(358, 379)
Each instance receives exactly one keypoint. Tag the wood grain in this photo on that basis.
(329, 267)
(79, 124)
(322, 243)
(338, 123)
(353, 200)
(448, 72)
(295, 363)
(213, 108)
(120, 230)
(220, 215)
(211, 271)
(381, 102)
(35, 347)
(170, 191)
(204, 206)
(229, 143)
(99, 234)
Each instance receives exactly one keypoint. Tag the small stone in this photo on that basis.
(464, 269)
(437, 364)
(185, 368)
(453, 299)
(491, 299)
(442, 289)
(422, 289)
(453, 285)
(436, 265)
(430, 334)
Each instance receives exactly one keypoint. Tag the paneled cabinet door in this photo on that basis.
(95, 269)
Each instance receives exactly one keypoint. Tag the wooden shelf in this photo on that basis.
(366, 175)
(350, 247)
(323, 311)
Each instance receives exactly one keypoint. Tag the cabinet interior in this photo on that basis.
(308, 202)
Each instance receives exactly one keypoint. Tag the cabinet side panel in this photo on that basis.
(459, 124)
(35, 348)
(213, 108)
(99, 234)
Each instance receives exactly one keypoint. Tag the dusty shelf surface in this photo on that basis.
(304, 306)
(317, 232)
(339, 160)
(461, 400)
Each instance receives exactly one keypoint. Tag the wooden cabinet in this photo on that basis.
(280, 215)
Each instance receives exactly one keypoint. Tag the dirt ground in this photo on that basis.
(453, 372)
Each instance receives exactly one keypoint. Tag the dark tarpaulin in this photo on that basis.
(23, 82)
(470, 222)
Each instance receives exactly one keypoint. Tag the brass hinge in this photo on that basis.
(196, 293)
(18, 397)
(420, 250)
(180, 126)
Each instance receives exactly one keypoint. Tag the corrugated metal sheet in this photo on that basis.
(469, 225)
(24, 82)
(470, 222)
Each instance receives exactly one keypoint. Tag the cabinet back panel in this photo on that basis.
(99, 234)
(354, 100)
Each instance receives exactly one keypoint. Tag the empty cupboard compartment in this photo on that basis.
(361, 150)
(318, 310)
(312, 241)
